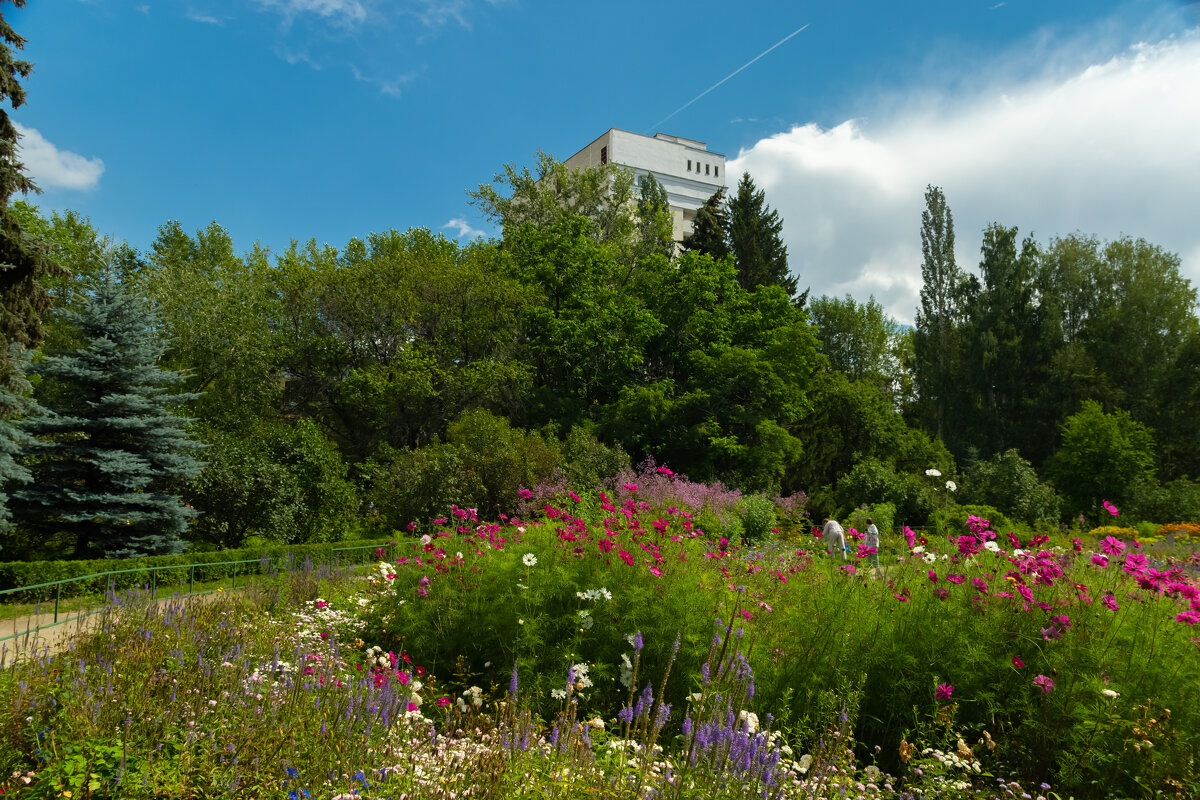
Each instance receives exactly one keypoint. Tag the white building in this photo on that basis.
(685, 167)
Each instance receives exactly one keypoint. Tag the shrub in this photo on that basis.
(1009, 483)
(757, 515)
(1114, 530)
(1184, 530)
(884, 515)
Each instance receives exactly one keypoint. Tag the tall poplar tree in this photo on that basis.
(109, 452)
(756, 240)
(940, 316)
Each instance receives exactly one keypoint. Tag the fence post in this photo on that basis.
(235, 569)
(154, 584)
(57, 597)
(192, 580)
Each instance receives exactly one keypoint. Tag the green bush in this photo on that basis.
(884, 515)
(1009, 482)
(757, 514)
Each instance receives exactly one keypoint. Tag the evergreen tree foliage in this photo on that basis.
(24, 261)
(13, 441)
(756, 241)
(710, 230)
(654, 220)
(109, 450)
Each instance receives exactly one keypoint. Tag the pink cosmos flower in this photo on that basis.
(656, 572)
(956, 579)
(1044, 683)
(1112, 546)
(628, 559)
(933, 576)
(1099, 560)
(630, 487)
(443, 701)
(1110, 508)
(943, 691)
(941, 592)
(1110, 602)
(1188, 617)
(1017, 662)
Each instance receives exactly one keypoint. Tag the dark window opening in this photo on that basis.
(706, 166)
(716, 172)
(689, 165)
(603, 155)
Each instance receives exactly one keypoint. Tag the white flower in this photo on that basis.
(749, 719)
(426, 539)
(952, 486)
(919, 549)
(459, 556)
(1110, 694)
(929, 558)
(596, 723)
(805, 763)
(995, 548)
(520, 622)
(529, 560)
(933, 473)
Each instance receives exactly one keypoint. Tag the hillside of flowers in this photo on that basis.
(602, 643)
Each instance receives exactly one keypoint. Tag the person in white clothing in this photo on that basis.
(835, 539)
(872, 540)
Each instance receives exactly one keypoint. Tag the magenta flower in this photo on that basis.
(1110, 508)
(1112, 546)
(1110, 602)
(1099, 560)
(943, 691)
(1017, 662)
(933, 576)
(1044, 683)
(1188, 617)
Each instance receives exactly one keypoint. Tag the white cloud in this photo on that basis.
(1108, 149)
(52, 168)
(345, 11)
(392, 87)
(464, 228)
(200, 16)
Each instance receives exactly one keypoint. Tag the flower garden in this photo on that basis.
(604, 644)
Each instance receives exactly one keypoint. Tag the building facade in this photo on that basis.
(685, 167)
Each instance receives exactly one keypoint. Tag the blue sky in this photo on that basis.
(329, 119)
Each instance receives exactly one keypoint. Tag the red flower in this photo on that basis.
(1017, 662)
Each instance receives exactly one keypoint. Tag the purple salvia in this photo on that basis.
(704, 674)
(637, 640)
(512, 684)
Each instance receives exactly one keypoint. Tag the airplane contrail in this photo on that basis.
(727, 77)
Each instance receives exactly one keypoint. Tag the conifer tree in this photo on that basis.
(710, 230)
(24, 261)
(13, 440)
(755, 238)
(109, 452)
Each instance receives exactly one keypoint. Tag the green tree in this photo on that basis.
(756, 240)
(110, 454)
(217, 311)
(655, 228)
(1101, 458)
(860, 340)
(25, 264)
(710, 229)
(937, 342)
(276, 480)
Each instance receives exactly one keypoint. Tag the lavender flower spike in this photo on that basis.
(512, 683)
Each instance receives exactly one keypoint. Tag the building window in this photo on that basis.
(689, 165)
(706, 166)
(716, 172)
(603, 155)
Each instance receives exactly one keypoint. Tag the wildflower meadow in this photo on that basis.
(603, 643)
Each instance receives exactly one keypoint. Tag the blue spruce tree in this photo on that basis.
(109, 453)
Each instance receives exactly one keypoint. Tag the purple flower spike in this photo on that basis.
(512, 683)
(637, 641)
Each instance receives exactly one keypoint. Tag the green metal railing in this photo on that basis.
(110, 576)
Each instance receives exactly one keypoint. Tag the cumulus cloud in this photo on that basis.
(1109, 149)
(464, 229)
(52, 168)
